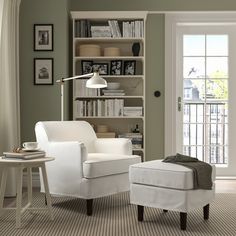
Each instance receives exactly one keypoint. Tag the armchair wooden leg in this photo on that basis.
(183, 220)
(206, 212)
(140, 212)
(45, 199)
(89, 203)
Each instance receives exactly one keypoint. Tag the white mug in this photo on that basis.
(30, 145)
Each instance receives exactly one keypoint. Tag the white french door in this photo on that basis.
(205, 94)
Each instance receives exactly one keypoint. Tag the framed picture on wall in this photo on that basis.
(116, 67)
(87, 67)
(129, 67)
(43, 37)
(102, 68)
(43, 71)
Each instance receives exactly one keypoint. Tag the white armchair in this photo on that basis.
(85, 166)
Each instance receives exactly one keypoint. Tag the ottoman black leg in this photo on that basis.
(165, 211)
(140, 212)
(183, 220)
(206, 212)
(89, 206)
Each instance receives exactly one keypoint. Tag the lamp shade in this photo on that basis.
(96, 81)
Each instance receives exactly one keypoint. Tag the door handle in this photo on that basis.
(179, 104)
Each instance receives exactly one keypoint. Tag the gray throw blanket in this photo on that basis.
(201, 170)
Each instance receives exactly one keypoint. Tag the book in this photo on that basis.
(24, 155)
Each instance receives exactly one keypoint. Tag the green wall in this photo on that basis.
(153, 5)
(43, 102)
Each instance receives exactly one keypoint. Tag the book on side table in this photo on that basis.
(24, 155)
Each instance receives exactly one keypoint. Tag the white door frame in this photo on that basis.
(171, 22)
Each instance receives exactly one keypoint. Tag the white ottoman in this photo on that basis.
(169, 187)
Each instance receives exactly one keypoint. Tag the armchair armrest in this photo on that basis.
(66, 171)
(113, 145)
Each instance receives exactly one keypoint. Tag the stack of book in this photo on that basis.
(136, 139)
(133, 29)
(100, 31)
(115, 29)
(133, 111)
(108, 107)
(24, 155)
(113, 92)
(82, 28)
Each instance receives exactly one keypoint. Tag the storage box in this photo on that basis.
(111, 52)
(89, 50)
(106, 135)
(102, 128)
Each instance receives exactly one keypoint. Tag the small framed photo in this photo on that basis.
(87, 67)
(43, 37)
(43, 71)
(102, 68)
(116, 67)
(129, 67)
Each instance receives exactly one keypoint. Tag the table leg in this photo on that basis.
(3, 188)
(19, 172)
(29, 184)
(48, 197)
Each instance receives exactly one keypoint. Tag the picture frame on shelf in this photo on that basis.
(129, 67)
(43, 71)
(86, 67)
(43, 37)
(102, 68)
(116, 67)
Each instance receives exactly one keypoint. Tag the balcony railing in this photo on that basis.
(205, 131)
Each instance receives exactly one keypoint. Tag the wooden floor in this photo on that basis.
(226, 186)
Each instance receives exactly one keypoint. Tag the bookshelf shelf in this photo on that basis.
(107, 97)
(109, 117)
(120, 30)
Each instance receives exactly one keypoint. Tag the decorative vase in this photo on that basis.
(136, 49)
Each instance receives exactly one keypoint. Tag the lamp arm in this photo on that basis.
(74, 77)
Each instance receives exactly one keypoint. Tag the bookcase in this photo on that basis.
(113, 43)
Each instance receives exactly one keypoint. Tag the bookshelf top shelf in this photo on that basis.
(100, 15)
(110, 39)
(137, 58)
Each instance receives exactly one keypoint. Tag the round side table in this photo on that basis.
(19, 164)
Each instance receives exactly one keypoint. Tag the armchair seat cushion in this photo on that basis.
(104, 164)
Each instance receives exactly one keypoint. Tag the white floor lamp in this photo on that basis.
(94, 82)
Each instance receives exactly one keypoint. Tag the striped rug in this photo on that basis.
(114, 216)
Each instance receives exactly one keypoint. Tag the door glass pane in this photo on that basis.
(217, 45)
(217, 67)
(216, 89)
(194, 89)
(215, 134)
(194, 45)
(216, 112)
(217, 154)
(194, 67)
(186, 135)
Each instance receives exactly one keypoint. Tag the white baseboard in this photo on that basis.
(35, 179)
(226, 177)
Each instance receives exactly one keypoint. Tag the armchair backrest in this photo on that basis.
(56, 131)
